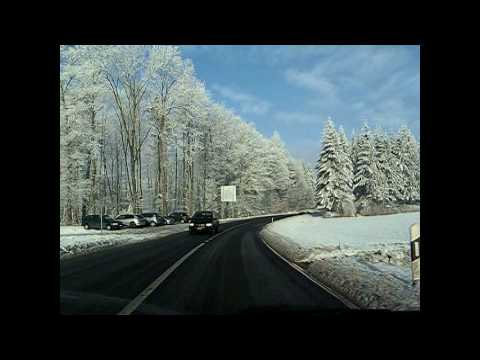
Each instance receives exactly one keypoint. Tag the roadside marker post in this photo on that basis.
(415, 251)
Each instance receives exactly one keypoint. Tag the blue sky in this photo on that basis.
(293, 89)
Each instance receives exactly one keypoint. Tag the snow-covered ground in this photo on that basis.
(75, 239)
(366, 259)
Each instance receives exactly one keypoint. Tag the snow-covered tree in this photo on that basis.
(345, 184)
(310, 180)
(334, 178)
(277, 180)
(407, 162)
(384, 175)
(300, 191)
(364, 180)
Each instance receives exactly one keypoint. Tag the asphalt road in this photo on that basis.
(235, 273)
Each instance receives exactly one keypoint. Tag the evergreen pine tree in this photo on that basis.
(345, 184)
(382, 174)
(364, 175)
(334, 171)
(409, 165)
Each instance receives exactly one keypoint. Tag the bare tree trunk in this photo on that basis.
(163, 164)
(184, 175)
(176, 173)
(158, 190)
(118, 173)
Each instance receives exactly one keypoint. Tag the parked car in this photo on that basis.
(180, 216)
(169, 220)
(131, 220)
(204, 221)
(154, 219)
(94, 222)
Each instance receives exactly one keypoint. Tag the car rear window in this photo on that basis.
(202, 214)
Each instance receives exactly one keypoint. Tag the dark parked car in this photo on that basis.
(154, 219)
(204, 221)
(93, 222)
(131, 220)
(180, 216)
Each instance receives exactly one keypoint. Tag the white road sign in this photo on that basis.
(228, 193)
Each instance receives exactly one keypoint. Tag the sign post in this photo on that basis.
(228, 193)
(415, 251)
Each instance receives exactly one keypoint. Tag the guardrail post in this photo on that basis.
(415, 251)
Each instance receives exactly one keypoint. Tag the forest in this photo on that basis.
(373, 168)
(140, 132)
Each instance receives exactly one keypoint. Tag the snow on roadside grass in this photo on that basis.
(364, 258)
(76, 240)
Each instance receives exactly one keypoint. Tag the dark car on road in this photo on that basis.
(204, 221)
(154, 219)
(180, 216)
(95, 222)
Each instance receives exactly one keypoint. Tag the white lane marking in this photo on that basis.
(342, 299)
(127, 310)
(135, 303)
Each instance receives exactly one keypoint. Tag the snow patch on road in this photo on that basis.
(76, 240)
(366, 259)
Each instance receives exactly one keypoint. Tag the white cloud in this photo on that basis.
(380, 83)
(298, 118)
(312, 81)
(249, 104)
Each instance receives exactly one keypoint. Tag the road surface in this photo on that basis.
(233, 273)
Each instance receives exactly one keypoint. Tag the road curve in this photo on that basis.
(234, 273)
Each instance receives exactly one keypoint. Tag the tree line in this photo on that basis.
(374, 167)
(139, 132)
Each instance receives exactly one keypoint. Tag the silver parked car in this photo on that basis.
(132, 220)
(154, 219)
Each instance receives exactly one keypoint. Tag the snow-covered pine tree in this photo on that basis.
(364, 175)
(345, 183)
(327, 194)
(383, 174)
(409, 164)
(310, 181)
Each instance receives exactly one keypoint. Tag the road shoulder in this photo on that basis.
(359, 282)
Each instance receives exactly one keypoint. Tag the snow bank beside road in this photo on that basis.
(366, 259)
(75, 239)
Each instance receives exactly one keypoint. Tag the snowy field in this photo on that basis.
(366, 259)
(75, 239)
(369, 232)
